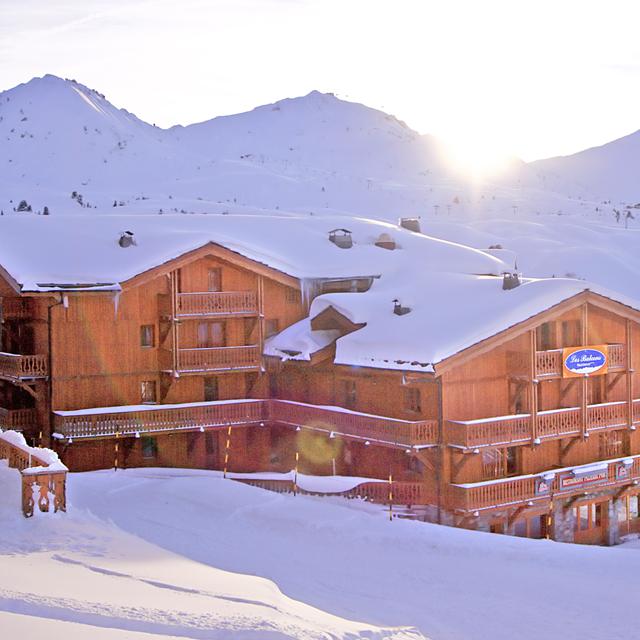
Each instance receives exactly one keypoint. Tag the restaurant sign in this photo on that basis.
(578, 478)
(585, 361)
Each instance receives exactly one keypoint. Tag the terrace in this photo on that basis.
(154, 419)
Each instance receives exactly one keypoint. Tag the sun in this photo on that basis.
(476, 156)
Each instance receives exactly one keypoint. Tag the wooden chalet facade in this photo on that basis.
(170, 371)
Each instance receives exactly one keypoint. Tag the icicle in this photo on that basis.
(116, 303)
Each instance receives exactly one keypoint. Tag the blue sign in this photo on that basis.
(583, 362)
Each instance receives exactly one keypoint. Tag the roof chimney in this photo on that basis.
(411, 224)
(126, 239)
(399, 310)
(341, 238)
(510, 280)
(385, 241)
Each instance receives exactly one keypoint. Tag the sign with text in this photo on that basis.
(585, 361)
(579, 479)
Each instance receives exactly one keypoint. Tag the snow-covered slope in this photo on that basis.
(89, 579)
(187, 553)
(611, 171)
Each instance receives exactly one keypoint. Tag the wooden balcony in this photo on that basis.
(18, 419)
(18, 367)
(223, 303)
(355, 424)
(552, 424)
(199, 360)
(132, 420)
(549, 363)
(542, 487)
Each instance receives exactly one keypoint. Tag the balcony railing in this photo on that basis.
(555, 423)
(549, 363)
(132, 420)
(543, 486)
(223, 303)
(218, 359)
(20, 367)
(362, 425)
(18, 419)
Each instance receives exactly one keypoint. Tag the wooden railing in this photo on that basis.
(217, 303)
(218, 359)
(554, 423)
(157, 418)
(16, 308)
(361, 425)
(40, 480)
(18, 419)
(17, 366)
(402, 493)
(525, 489)
(549, 363)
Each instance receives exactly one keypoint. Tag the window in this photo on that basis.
(214, 279)
(571, 333)
(211, 334)
(211, 389)
(546, 337)
(149, 447)
(412, 400)
(498, 463)
(148, 391)
(292, 296)
(349, 394)
(147, 335)
(613, 444)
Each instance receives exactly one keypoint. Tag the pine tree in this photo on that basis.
(45, 211)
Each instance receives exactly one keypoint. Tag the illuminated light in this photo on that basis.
(367, 443)
(201, 429)
(137, 434)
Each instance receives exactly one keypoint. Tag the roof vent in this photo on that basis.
(126, 239)
(399, 310)
(411, 224)
(341, 238)
(510, 280)
(385, 241)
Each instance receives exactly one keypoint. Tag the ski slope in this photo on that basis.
(184, 553)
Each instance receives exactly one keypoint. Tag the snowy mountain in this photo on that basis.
(66, 147)
(611, 171)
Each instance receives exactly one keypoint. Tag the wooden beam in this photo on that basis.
(629, 372)
(584, 400)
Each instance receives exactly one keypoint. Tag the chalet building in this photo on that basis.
(266, 343)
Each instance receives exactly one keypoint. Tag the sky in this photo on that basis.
(522, 77)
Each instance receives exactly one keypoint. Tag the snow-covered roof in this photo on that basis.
(449, 312)
(44, 253)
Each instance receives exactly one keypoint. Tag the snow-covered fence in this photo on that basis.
(369, 489)
(43, 475)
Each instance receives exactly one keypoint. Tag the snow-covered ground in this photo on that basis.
(178, 553)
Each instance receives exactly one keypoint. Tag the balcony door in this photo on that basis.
(211, 334)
